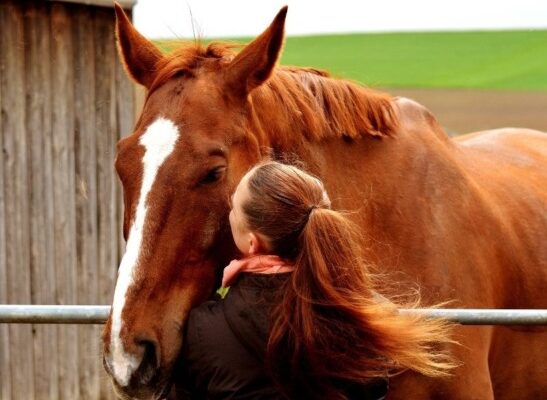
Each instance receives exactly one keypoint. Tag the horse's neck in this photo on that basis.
(394, 182)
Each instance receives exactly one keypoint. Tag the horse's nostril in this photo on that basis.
(149, 364)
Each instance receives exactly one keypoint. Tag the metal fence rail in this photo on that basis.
(51, 314)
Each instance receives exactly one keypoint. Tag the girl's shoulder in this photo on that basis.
(217, 362)
(239, 322)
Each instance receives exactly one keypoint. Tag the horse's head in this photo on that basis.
(190, 147)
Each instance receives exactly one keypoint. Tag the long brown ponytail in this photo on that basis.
(329, 329)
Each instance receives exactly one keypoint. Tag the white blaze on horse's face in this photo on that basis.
(159, 141)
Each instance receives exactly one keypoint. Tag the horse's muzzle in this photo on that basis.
(145, 379)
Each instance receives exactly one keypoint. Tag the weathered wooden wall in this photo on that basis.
(64, 102)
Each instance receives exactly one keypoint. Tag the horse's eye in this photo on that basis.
(213, 176)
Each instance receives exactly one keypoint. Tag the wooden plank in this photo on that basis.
(86, 198)
(106, 138)
(5, 365)
(46, 278)
(64, 191)
(125, 111)
(125, 105)
(16, 196)
(113, 137)
(140, 96)
(38, 125)
(105, 108)
(49, 274)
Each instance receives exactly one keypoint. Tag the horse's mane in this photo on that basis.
(296, 99)
(310, 101)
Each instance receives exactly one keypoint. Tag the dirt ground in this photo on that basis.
(462, 111)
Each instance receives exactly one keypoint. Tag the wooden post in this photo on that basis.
(64, 103)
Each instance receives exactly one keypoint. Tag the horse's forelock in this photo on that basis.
(187, 58)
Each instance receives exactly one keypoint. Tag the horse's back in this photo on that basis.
(517, 146)
(495, 135)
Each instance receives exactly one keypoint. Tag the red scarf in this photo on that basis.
(258, 264)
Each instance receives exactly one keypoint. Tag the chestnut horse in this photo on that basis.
(465, 219)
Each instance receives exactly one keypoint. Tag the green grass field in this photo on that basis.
(514, 60)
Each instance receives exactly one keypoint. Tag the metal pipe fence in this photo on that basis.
(52, 314)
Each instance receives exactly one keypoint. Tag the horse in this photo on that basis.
(465, 219)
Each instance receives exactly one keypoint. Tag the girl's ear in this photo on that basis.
(256, 244)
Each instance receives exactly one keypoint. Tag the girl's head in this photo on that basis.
(271, 206)
(328, 327)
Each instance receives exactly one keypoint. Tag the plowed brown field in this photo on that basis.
(462, 111)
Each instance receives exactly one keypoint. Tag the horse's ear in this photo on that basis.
(138, 54)
(255, 63)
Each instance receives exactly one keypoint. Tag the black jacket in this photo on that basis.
(225, 344)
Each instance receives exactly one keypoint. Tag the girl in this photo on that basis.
(302, 319)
